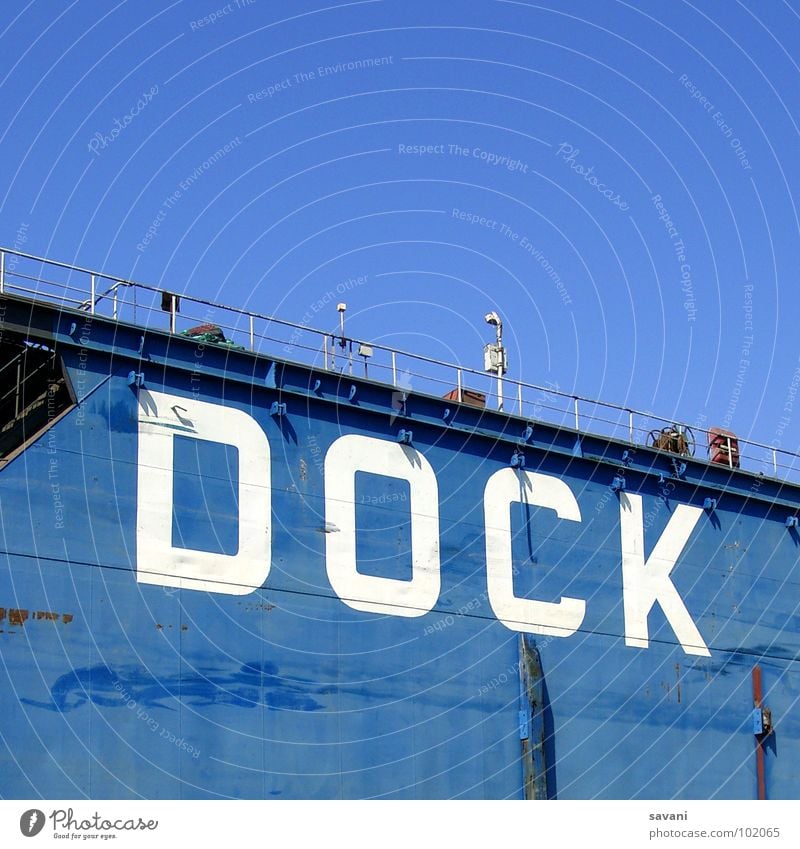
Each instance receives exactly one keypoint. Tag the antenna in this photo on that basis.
(343, 341)
(494, 356)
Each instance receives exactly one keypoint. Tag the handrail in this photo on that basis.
(341, 353)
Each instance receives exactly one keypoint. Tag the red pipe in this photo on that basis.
(760, 769)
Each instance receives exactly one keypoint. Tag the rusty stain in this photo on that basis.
(303, 469)
(678, 673)
(46, 614)
(159, 627)
(17, 617)
(184, 627)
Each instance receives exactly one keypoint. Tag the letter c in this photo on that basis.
(504, 488)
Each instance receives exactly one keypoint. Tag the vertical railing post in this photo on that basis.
(2, 272)
(252, 335)
(577, 417)
(325, 352)
(93, 289)
(775, 462)
(19, 386)
(172, 313)
(114, 305)
(460, 390)
(630, 424)
(394, 369)
(730, 452)
(519, 398)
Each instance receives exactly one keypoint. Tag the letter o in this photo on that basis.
(369, 593)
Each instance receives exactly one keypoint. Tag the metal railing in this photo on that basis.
(95, 292)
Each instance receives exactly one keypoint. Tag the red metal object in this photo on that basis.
(723, 447)
(203, 328)
(760, 768)
(468, 396)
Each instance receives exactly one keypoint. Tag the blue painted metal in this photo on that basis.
(678, 467)
(538, 739)
(277, 408)
(114, 688)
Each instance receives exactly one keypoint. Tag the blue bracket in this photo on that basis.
(758, 721)
(710, 504)
(577, 448)
(618, 484)
(278, 408)
(399, 404)
(524, 731)
(136, 378)
(352, 393)
(446, 414)
(404, 437)
(678, 468)
(316, 386)
(791, 522)
(527, 433)
(72, 328)
(141, 346)
(517, 460)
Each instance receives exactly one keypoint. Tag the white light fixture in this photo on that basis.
(494, 355)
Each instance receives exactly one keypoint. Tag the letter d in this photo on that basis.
(160, 562)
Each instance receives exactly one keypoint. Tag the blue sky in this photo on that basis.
(617, 179)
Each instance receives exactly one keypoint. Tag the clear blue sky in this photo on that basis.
(561, 124)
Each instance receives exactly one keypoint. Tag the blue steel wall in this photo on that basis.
(122, 690)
